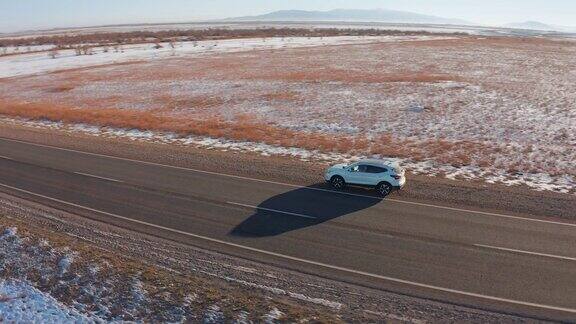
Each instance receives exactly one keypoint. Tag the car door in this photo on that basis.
(358, 174)
(375, 175)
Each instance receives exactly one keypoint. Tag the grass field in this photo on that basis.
(497, 109)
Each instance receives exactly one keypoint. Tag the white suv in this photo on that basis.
(381, 175)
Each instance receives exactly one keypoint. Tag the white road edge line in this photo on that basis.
(526, 252)
(6, 158)
(271, 210)
(297, 186)
(315, 263)
(97, 177)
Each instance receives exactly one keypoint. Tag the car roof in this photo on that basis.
(382, 163)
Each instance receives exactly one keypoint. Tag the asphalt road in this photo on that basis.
(499, 262)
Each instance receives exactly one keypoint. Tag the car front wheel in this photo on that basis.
(384, 189)
(337, 182)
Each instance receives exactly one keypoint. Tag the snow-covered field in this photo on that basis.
(43, 283)
(38, 63)
(499, 110)
(20, 302)
(24, 49)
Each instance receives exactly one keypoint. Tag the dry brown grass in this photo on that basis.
(193, 114)
(348, 76)
(61, 88)
(170, 103)
(244, 128)
(282, 96)
(248, 128)
(291, 65)
(531, 46)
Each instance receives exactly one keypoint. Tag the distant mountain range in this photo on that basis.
(353, 15)
(535, 25)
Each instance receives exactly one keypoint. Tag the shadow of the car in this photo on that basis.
(349, 189)
(301, 208)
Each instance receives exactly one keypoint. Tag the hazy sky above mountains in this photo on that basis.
(28, 14)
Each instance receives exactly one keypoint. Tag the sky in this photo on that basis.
(17, 15)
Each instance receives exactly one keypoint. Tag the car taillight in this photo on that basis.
(397, 177)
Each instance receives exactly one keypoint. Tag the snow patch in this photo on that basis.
(213, 315)
(278, 291)
(64, 264)
(273, 316)
(10, 232)
(20, 302)
(242, 318)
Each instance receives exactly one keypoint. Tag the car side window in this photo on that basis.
(375, 169)
(363, 168)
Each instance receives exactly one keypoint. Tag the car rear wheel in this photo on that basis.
(384, 189)
(337, 182)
